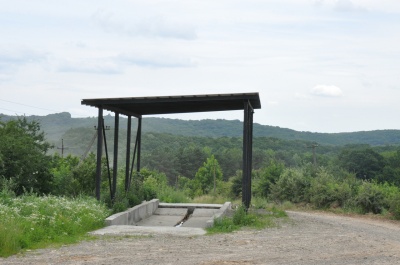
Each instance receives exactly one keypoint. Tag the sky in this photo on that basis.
(318, 65)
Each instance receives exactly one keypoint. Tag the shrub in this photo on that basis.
(370, 197)
(291, 186)
(325, 190)
(267, 177)
(394, 206)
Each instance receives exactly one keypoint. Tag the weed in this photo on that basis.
(251, 219)
(29, 221)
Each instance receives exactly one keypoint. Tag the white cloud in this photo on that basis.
(326, 91)
(156, 60)
(17, 57)
(90, 66)
(155, 26)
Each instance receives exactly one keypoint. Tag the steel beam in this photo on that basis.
(247, 154)
(115, 160)
(128, 153)
(139, 141)
(99, 151)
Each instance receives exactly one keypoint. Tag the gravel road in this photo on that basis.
(307, 238)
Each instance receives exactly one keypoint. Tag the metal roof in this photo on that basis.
(138, 106)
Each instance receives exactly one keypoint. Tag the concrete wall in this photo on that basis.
(134, 214)
(219, 214)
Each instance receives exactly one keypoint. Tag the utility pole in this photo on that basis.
(313, 146)
(214, 177)
(62, 148)
(106, 128)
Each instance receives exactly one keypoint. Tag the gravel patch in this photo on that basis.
(306, 238)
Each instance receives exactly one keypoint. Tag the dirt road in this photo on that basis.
(307, 238)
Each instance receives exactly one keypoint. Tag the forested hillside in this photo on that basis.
(177, 168)
(57, 125)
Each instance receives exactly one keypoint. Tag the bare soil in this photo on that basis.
(306, 238)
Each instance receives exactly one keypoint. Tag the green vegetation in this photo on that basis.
(57, 126)
(45, 198)
(325, 190)
(31, 221)
(254, 218)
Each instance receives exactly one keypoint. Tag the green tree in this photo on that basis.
(207, 176)
(23, 156)
(364, 162)
(268, 176)
(189, 160)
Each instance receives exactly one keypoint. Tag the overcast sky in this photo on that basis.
(319, 65)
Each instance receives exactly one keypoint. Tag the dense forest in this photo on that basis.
(178, 167)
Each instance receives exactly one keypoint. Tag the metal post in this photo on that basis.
(247, 154)
(107, 161)
(139, 133)
(99, 151)
(128, 153)
(250, 150)
(245, 177)
(115, 161)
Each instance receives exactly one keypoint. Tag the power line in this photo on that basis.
(62, 148)
(22, 104)
(11, 110)
(27, 105)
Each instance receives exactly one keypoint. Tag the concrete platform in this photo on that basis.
(160, 218)
(123, 230)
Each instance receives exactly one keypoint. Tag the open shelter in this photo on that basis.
(141, 106)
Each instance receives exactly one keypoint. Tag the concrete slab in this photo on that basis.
(198, 212)
(186, 205)
(171, 211)
(160, 220)
(148, 230)
(199, 222)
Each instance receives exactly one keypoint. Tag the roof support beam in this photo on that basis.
(140, 106)
(247, 154)
(115, 160)
(128, 153)
(99, 151)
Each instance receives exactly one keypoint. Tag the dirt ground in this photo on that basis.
(306, 238)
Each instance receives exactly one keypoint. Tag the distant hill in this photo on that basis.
(57, 125)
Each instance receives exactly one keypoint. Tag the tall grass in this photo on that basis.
(29, 221)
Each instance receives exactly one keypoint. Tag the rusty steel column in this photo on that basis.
(99, 151)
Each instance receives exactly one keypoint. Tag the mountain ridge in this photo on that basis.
(56, 125)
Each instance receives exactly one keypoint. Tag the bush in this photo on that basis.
(370, 197)
(327, 191)
(394, 206)
(291, 186)
(267, 177)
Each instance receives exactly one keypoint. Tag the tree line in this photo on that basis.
(187, 166)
